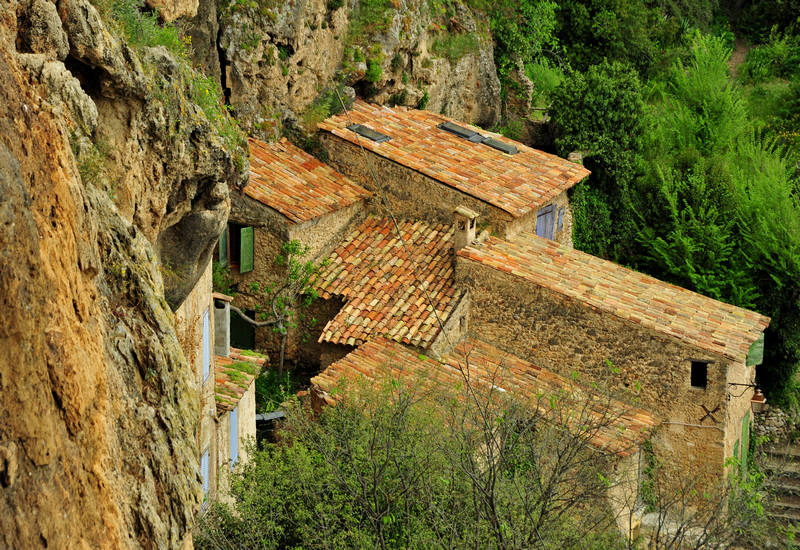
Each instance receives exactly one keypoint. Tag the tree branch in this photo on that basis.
(252, 321)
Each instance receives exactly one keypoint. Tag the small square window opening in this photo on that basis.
(699, 374)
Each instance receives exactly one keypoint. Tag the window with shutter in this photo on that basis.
(234, 428)
(545, 222)
(204, 472)
(247, 239)
(560, 224)
(223, 247)
(206, 345)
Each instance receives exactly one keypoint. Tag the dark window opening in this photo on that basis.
(368, 133)
(234, 244)
(472, 223)
(461, 225)
(243, 334)
(699, 374)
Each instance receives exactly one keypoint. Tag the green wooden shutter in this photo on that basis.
(756, 353)
(223, 247)
(246, 250)
(745, 441)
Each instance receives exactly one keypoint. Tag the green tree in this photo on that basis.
(601, 112)
(395, 467)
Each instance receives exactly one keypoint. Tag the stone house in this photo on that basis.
(686, 358)
(224, 385)
(290, 196)
(429, 165)
(429, 279)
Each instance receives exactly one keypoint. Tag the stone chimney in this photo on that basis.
(464, 222)
(222, 324)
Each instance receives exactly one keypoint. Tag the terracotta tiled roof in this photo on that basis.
(706, 323)
(620, 428)
(233, 376)
(516, 184)
(374, 273)
(296, 184)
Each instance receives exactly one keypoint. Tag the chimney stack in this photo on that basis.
(222, 324)
(464, 221)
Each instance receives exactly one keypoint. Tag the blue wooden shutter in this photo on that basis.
(234, 424)
(560, 225)
(246, 250)
(545, 222)
(223, 247)
(204, 472)
(206, 345)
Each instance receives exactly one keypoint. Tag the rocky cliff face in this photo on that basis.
(112, 193)
(113, 190)
(277, 59)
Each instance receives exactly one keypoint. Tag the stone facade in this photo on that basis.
(413, 195)
(246, 435)
(637, 363)
(271, 231)
(212, 428)
(189, 326)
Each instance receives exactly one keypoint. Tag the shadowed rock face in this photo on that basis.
(110, 203)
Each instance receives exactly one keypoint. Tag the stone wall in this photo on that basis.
(455, 329)
(272, 229)
(636, 364)
(189, 328)
(324, 233)
(411, 195)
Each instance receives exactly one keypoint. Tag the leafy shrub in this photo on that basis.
(778, 58)
(423, 101)
(546, 77)
(388, 468)
(273, 389)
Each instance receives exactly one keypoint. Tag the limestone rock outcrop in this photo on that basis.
(112, 194)
(277, 58)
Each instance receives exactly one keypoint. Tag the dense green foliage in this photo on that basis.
(600, 113)
(393, 469)
(689, 188)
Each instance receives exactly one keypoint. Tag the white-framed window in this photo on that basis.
(234, 428)
(206, 345)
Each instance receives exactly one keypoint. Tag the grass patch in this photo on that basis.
(453, 47)
(205, 92)
(142, 28)
(371, 17)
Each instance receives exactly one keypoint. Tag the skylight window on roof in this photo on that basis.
(368, 133)
(460, 131)
(500, 145)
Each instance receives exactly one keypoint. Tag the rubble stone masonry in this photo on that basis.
(413, 195)
(640, 365)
